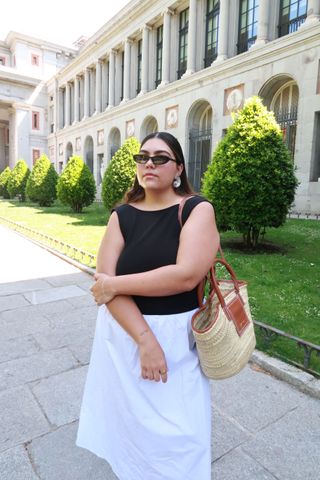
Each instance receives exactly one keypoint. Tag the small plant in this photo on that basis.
(120, 174)
(76, 186)
(18, 180)
(251, 180)
(42, 182)
(4, 178)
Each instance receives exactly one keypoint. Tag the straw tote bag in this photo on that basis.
(222, 326)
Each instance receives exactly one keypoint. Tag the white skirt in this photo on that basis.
(144, 429)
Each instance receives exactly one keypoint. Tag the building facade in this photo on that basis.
(26, 64)
(185, 66)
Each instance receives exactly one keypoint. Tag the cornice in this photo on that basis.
(13, 76)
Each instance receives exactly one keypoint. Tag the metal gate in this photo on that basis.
(199, 156)
(287, 120)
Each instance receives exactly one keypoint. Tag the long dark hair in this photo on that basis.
(137, 193)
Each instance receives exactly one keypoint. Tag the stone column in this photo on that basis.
(105, 85)
(263, 23)
(76, 100)
(67, 106)
(86, 94)
(98, 87)
(223, 31)
(145, 60)
(126, 70)
(192, 31)
(61, 108)
(12, 137)
(112, 59)
(165, 74)
(313, 13)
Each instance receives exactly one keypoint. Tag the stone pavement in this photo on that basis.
(263, 428)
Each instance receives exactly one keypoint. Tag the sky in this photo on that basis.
(57, 21)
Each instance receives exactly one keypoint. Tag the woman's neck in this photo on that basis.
(160, 200)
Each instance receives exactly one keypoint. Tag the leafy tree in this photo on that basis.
(120, 174)
(18, 180)
(4, 178)
(251, 180)
(42, 182)
(76, 186)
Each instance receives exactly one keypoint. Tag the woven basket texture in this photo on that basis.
(222, 352)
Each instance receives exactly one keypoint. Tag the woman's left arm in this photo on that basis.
(198, 245)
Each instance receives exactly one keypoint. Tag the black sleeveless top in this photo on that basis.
(152, 241)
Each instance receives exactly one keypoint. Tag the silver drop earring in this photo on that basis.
(176, 182)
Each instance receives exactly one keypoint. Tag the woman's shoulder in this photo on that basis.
(190, 203)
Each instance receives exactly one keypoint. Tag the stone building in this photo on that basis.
(26, 63)
(184, 66)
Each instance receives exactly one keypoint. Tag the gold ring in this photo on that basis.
(164, 372)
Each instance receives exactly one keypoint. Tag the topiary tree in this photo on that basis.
(4, 178)
(251, 179)
(120, 174)
(76, 186)
(42, 182)
(18, 180)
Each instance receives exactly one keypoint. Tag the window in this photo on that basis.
(285, 107)
(292, 14)
(139, 65)
(248, 22)
(35, 155)
(2, 61)
(35, 121)
(159, 48)
(35, 59)
(212, 28)
(183, 42)
(315, 162)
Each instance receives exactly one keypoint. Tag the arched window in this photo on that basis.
(285, 107)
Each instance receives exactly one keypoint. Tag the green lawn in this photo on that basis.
(283, 276)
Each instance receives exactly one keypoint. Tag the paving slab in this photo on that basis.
(21, 418)
(254, 399)
(76, 278)
(226, 435)
(238, 465)
(282, 445)
(15, 465)
(19, 323)
(56, 457)
(52, 294)
(23, 286)
(18, 347)
(60, 395)
(11, 302)
(40, 365)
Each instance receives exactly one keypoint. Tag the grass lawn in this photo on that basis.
(283, 276)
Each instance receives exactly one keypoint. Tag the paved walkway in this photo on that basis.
(263, 429)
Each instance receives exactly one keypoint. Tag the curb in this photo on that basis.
(303, 381)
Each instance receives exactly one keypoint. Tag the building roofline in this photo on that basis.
(13, 36)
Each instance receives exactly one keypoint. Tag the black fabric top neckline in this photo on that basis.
(152, 211)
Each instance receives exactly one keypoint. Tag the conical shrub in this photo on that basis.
(42, 182)
(18, 180)
(120, 174)
(4, 178)
(76, 186)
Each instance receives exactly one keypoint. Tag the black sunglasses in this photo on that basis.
(156, 160)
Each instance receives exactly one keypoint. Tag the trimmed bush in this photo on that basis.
(18, 180)
(120, 174)
(42, 182)
(251, 180)
(4, 178)
(76, 186)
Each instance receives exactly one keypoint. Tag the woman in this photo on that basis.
(146, 406)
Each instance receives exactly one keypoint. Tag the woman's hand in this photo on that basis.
(102, 289)
(152, 358)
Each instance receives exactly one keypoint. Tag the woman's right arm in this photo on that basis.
(125, 310)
